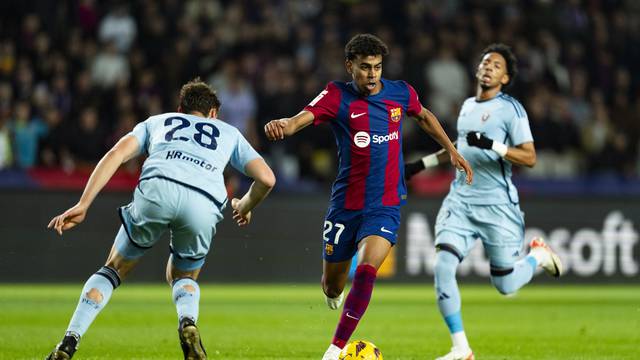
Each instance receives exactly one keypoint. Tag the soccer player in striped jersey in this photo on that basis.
(181, 189)
(493, 133)
(366, 116)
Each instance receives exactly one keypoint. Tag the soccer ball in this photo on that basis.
(360, 350)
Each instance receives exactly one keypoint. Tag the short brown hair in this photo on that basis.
(197, 95)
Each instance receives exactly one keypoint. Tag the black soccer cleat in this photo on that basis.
(65, 349)
(190, 340)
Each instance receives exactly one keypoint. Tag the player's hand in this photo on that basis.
(241, 218)
(68, 219)
(413, 168)
(462, 165)
(275, 129)
(478, 139)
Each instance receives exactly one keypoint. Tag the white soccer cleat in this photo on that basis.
(458, 354)
(336, 302)
(550, 260)
(332, 353)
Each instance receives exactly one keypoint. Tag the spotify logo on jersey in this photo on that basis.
(361, 139)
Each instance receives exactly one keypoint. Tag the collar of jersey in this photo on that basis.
(484, 101)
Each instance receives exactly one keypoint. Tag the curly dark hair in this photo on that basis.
(365, 45)
(197, 95)
(509, 58)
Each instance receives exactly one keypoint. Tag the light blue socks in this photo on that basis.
(447, 290)
(186, 296)
(95, 296)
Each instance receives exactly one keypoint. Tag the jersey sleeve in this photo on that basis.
(325, 106)
(243, 153)
(415, 107)
(141, 132)
(519, 129)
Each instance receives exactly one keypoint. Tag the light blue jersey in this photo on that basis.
(502, 119)
(180, 179)
(192, 151)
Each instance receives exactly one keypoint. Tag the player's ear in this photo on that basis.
(348, 64)
(213, 113)
(505, 79)
(179, 108)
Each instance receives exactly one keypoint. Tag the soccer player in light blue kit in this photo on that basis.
(493, 134)
(182, 189)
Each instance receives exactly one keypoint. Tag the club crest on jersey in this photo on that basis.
(395, 114)
(485, 117)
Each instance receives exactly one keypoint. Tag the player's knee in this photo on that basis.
(94, 295)
(445, 267)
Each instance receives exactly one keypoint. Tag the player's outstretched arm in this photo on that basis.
(523, 154)
(278, 129)
(124, 150)
(264, 181)
(430, 124)
(431, 160)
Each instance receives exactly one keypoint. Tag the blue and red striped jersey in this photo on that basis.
(368, 134)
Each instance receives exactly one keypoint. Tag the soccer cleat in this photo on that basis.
(332, 353)
(551, 263)
(336, 302)
(190, 340)
(458, 354)
(65, 349)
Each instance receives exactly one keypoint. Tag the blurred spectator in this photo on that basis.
(53, 147)
(7, 58)
(118, 27)
(87, 16)
(87, 141)
(109, 67)
(6, 154)
(6, 99)
(27, 130)
(238, 101)
(447, 79)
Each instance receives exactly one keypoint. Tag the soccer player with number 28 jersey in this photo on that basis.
(366, 116)
(181, 189)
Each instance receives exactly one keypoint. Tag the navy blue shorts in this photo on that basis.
(343, 229)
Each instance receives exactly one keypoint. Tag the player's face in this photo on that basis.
(366, 72)
(492, 71)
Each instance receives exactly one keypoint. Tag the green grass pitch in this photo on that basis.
(292, 322)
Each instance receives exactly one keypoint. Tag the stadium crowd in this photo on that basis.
(77, 75)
